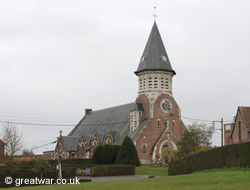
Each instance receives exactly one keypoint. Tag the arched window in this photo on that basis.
(108, 141)
(144, 149)
(82, 150)
(94, 144)
(149, 82)
(60, 147)
(155, 82)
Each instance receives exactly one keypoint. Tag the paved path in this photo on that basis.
(112, 178)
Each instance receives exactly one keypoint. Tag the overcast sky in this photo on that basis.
(59, 57)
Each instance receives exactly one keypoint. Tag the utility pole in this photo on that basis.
(221, 129)
(58, 155)
(222, 132)
(169, 136)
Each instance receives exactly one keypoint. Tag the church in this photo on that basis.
(148, 121)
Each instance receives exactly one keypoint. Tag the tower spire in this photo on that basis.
(154, 56)
(154, 15)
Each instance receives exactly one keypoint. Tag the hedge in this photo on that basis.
(69, 172)
(102, 170)
(71, 161)
(112, 170)
(27, 166)
(226, 156)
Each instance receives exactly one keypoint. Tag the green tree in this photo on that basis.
(127, 154)
(42, 165)
(195, 137)
(105, 154)
(164, 153)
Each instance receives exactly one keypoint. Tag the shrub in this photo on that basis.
(127, 154)
(112, 170)
(105, 154)
(18, 166)
(85, 180)
(71, 161)
(69, 172)
(42, 165)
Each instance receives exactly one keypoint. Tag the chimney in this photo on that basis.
(87, 111)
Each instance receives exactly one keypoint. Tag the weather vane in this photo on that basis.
(154, 15)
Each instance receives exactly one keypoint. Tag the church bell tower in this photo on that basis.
(160, 116)
(154, 71)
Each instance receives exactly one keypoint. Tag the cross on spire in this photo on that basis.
(154, 15)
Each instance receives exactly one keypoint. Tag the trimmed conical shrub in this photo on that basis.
(127, 154)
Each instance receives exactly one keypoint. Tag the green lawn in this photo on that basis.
(227, 178)
(155, 170)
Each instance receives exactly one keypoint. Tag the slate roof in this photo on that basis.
(70, 143)
(154, 56)
(137, 107)
(116, 119)
(137, 132)
(2, 143)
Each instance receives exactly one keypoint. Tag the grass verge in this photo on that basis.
(216, 179)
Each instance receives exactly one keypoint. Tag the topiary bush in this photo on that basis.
(105, 154)
(127, 154)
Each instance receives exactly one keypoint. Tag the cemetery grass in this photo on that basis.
(226, 178)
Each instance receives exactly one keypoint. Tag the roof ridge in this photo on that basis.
(113, 107)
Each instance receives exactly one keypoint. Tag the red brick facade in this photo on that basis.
(62, 150)
(227, 133)
(241, 132)
(48, 155)
(150, 136)
(83, 148)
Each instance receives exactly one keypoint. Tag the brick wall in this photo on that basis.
(156, 126)
(240, 130)
(62, 152)
(227, 133)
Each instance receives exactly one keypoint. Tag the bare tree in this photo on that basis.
(13, 139)
(27, 152)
